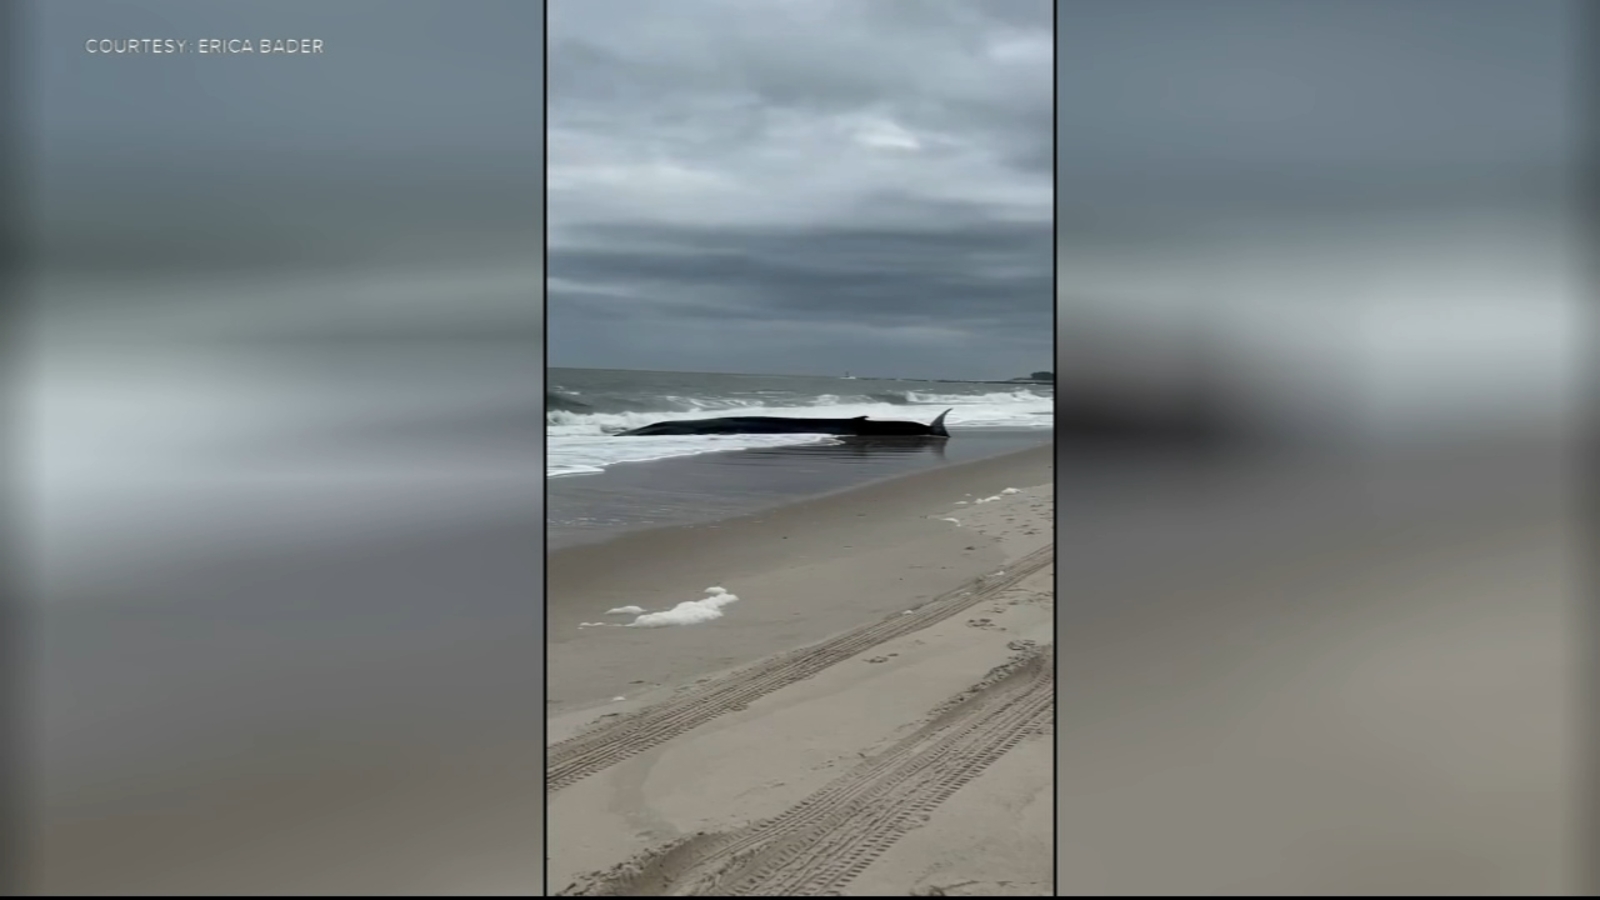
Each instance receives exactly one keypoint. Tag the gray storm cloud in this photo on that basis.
(801, 187)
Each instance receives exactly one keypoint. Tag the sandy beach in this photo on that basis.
(872, 715)
(1341, 677)
(709, 487)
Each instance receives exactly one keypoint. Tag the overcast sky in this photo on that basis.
(801, 186)
(247, 251)
(414, 135)
(1193, 134)
(1277, 106)
(1365, 192)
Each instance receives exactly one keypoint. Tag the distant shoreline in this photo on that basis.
(1034, 381)
(685, 490)
(963, 381)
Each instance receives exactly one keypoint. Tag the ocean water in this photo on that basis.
(585, 408)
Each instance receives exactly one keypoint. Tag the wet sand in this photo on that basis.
(586, 509)
(1333, 677)
(337, 708)
(805, 571)
(873, 715)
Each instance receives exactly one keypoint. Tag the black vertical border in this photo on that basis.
(1055, 478)
(544, 455)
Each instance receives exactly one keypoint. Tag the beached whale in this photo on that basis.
(860, 426)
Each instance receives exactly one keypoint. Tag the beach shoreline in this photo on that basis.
(710, 487)
(875, 626)
(884, 536)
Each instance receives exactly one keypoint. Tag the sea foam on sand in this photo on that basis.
(689, 612)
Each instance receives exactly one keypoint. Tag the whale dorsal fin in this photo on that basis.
(938, 425)
(858, 418)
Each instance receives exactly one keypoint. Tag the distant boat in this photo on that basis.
(849, 377)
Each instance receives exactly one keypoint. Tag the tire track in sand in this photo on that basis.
(822, 843)
(605, 745)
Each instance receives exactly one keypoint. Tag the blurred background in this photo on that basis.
(278, 521)
(275, 523)
(1324, 377)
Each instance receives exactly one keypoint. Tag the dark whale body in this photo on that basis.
(860, 426)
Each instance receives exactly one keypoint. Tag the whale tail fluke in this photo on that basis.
(938, 425)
